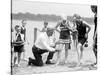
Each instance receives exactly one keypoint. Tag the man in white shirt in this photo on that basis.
(41, 46)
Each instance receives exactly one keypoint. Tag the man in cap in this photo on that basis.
(42, 45)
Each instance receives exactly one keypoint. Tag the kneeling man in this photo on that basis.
(42, 45)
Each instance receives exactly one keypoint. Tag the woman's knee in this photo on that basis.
(15, 54)
(79, 45)
(67, 46)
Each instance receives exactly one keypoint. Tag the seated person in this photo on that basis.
(42, 45)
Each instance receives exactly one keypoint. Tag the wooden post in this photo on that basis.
(35, 34)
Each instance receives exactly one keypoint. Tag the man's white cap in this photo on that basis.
(64, 17)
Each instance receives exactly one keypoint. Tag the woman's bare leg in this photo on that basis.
(23, 54)
(12, 57)
(59, 54)
(19, 57)
(58, 57)
(79, 53)
(74, 44)
(66, 51)
(15, 58)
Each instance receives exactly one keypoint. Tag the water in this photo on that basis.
(39, 24)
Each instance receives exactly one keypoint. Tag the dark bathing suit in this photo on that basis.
(95, 46)
(81, 28)
(20, 47)
(64, 33)
(23, 31)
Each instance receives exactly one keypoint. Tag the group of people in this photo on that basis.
(79, 33)
(18, 42)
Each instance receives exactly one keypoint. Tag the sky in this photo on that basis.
(51, 8)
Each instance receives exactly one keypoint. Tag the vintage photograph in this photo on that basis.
(52, 37)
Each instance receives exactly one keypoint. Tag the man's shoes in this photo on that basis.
(29, 63)
(49, 62)
(94, 64)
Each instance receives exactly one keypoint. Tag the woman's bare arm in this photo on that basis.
(88, 26)
(58, 24)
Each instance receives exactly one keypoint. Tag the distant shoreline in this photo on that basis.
(44, 17)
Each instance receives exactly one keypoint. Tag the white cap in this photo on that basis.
(64, 17)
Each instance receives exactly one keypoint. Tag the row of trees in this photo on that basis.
(43, 17)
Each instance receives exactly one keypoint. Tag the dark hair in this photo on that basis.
(77, 16)
(23, 20)
(45, 22)
(17, 26)
(95, 8)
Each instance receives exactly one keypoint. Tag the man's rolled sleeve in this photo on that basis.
(47, 46)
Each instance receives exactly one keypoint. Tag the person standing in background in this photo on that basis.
(81, 27)
(74, 35)
(23, 28)
(12, 47)
(23, 31)
(94, 10)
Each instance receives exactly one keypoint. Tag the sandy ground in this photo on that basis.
(70, 65)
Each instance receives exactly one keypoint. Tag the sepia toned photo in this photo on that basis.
(52, 37)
